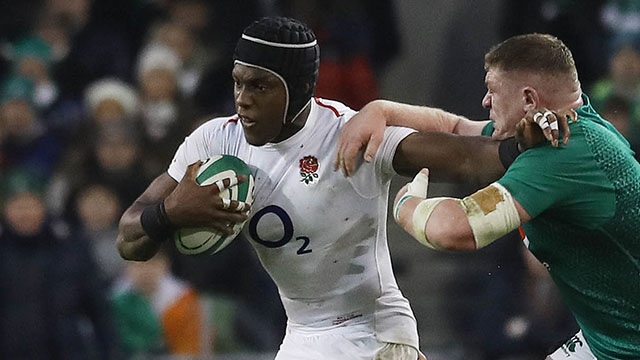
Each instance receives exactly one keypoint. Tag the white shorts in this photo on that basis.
(354, 342)
(575, 348)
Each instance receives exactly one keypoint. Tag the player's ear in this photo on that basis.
(530, 98)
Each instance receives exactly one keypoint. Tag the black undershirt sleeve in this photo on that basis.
(508, 151)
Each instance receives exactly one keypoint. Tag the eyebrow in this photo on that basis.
(252, 77)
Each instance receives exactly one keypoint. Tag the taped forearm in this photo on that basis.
(491, 213)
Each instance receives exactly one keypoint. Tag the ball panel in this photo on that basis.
(197, 240)
(222, 243)
(226, 166)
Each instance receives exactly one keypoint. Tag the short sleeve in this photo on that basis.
(203, 142)
(369, 179)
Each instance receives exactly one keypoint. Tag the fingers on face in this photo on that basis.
(566, 133)
(573, 115)
(551, 123)
(545, 119)
(548, 122)
(522, 124)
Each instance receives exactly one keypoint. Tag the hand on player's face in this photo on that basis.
(540, 124)
(193, 205)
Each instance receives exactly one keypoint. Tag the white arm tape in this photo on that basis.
(421, 215)
(416, 188)
(491, 212)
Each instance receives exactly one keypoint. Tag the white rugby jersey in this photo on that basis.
(321, 236)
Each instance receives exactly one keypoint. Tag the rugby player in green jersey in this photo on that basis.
(578, 204)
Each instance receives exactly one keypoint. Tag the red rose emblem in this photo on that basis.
(308, 167)
(309, 164)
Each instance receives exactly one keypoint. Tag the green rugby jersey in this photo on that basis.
(584, 200)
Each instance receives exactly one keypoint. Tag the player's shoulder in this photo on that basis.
(231, 121)
(332, 108)
(219, 124)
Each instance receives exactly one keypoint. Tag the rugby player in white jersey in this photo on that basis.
(321, 236)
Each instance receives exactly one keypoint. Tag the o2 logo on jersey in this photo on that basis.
(287, 226)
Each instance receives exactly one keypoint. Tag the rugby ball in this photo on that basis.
(197, 240)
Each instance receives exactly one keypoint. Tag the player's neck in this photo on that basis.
(296, 124)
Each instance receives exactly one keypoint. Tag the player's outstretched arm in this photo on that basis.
(366, 128)
(457, 224)
(166, 205)
(450, 158)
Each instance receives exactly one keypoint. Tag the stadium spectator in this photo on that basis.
(109, 105)
(95, 216)
(194, 57)
(622, 81)
(51, 304)
(31, 57)
(158, 314)
(25, 140)
(621, 19)
(166, 115)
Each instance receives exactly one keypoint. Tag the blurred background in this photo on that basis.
(95, 96)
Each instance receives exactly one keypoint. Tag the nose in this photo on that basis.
(242, 96)
(486, 100)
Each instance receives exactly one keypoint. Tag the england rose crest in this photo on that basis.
(308, 169)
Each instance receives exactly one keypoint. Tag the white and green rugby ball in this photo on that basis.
(197, 240)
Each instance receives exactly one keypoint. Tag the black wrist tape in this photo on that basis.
(155, 222)
(508, 151)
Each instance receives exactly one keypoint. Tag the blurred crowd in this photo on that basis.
(95, 96)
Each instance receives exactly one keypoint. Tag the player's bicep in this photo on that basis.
(450, 157)
(522, 212)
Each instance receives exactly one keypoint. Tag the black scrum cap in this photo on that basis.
(287, 48)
